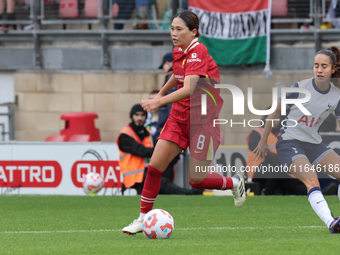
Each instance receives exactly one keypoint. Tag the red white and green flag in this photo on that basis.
(235, 32)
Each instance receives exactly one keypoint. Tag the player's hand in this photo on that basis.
(150, 105)
(261, 150)
(157, 96)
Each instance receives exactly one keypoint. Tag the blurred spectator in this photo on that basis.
(299, 9)
(135, 144)
(152, 118)
(167, 16)
(185, 4)
(125, 9)
(153, 14)
(9, 4)
(334, 12)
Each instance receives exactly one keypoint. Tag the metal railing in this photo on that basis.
(22, 19)
(11, 126)
(153, 18)
(297, 12)
(75, 20)
(105, 13)
(43, 17)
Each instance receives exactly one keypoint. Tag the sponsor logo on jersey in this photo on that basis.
(179, 78)
(194, 60)
(309, 122)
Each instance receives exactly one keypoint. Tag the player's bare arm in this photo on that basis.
(190, 82)
(167, 87)
(262, 148)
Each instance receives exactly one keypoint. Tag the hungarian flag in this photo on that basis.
(235, 32)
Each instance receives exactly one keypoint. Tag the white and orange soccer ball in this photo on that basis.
(158, 224)
(93, 183)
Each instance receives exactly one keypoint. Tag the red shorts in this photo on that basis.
(202, 139)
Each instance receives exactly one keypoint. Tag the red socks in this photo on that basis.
(214, 181)
(152, 185)
(151, 188)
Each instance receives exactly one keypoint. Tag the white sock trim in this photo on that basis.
(141, 216)
(236, 181)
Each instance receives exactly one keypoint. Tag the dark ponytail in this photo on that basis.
(336, 65)
(333, 53)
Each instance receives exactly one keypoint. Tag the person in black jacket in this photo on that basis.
(130, 145)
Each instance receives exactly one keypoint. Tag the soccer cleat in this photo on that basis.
(239, 191)
(134, 228)
(335, 226)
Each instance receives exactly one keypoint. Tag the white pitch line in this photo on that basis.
(183, 229)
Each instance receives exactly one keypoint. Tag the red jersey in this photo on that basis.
(195, 60)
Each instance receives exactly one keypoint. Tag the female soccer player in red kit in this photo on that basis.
(185, 125)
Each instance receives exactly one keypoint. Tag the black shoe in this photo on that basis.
(335, 226)
(198, 191)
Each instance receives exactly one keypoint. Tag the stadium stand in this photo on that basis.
(52, 12)
(60, 11)
(93, 20)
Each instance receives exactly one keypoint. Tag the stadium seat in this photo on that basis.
(80, 138)
(91, 8)
(55, 138)
(68, 9)
(279, 8)
(80, 123)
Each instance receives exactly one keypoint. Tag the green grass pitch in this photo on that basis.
(203, 225)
